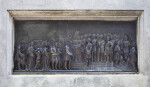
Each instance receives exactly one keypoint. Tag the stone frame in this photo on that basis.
(106, 15)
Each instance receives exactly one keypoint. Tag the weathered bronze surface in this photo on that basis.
(104, 50)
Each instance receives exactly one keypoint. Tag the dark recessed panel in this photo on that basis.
(45, 46)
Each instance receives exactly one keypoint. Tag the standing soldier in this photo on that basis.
(31, 56)
(117, 56)
(88, 52)
(45, 57)
(107, 49)
(20, 58)
(54, 57)
(58, 50)
(38, 59)
(126, 48)
(67, 60)
(94, 47)
(101, 48)
(132, 54)
(78, 51)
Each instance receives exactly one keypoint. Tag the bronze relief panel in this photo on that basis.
(46, 46)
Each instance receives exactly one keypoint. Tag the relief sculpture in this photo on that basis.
(78, 52)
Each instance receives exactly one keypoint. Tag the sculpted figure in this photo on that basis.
(105, 37)
(101, 48)
(76, 34)
(113, 43)
(67, 58)
(94, 48)
(59, 53)
(78, 51)
(50, 56)
(82, 49)
(111, 50)
(88, 52)
(89, 36)
(20, 58)
(31, 56)
(45, 58)
(108, 50)
(24, 46)
(133, 58)
(126, 43)
(117, 56)
(115, 36)
(99, 51)
(38, 58)
(85, 38)
(112, 39)
(54, 55)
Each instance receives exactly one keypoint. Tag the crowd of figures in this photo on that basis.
(86, 48)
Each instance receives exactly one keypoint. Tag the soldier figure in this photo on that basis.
(67, 60)
(82, 48)
(85, 38)
(45, 58)
(54, 55)
(111, 51)
(38, 59)
(59, 53)
(94, 48)
(88, 52)
(132, 54)
(101, 48)
(20, 58)
(117, 56)
(108, 49)
(78, 51)
(31, 56)
(126, 43)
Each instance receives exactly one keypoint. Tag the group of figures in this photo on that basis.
(86, 48)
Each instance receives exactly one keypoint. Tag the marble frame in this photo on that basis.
(107, 15)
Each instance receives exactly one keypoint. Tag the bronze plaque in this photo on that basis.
(75, 45)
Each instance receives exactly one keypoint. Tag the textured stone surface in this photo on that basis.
(102, 80)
